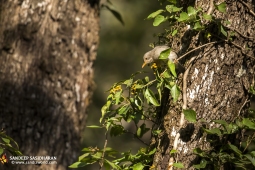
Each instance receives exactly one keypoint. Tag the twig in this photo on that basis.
(239, 32)
(185, 83)
(149, 83)
(138, 138)
(242, 107)
(247, 7)
(249, 142)
(105, 144)
(238, 46)
(197, 49)
(184, 106)
(242, 49)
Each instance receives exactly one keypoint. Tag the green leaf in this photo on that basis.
(227, 22)
(94, 127)
(214, 131)
(110, 97)
(223, 31)
(142, 130)
(175, 92)
(156, 132)
(222, 122)
(147, 79)
(252, 153)
(190, 115)
(117, 96)
(191, 11)
(221, 7)
(239, 124)
(139, 102)
(123, 110)
(156, 13)
(83, 156)
(172, 1)
(174, 32)
(88, 149)
(199, 152)
(173, 151)
(139, 132)
(138, 166)
(1, 151)
(128, 82)
(183, 17)
(207, 17)
(151, 97)
(79, 164)
(104, 109)
(178, 165)
(235, 149)
(198, 26)
(166, 74)
(117, 130)
(138, 86)
(7, 141)
(230, 128)
(202, 164)
(158, 20)
(153, 151)
(113, 165)
(164, 54)
(160, 94)
(171, 66)
(116, 14)
(252, 159)
(172, 8)
(247, 122)
(97, 155)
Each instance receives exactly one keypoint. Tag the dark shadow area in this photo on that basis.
(187, 132)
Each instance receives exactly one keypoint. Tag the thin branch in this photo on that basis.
(239, 32)
(149, 83)
(138, 138)
(105, 144)
(184, 106)
(197, 49)
(247, 7)
(238, 46)
(150, 119)
(249, 142)
(242, 49)
(242, 106)
(185, 83)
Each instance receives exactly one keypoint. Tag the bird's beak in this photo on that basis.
(144, 64)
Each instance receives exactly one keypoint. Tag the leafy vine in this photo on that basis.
(137, 100)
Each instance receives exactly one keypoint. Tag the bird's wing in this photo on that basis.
(157, 50)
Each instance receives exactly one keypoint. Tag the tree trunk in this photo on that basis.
(47, 49)
(217, 84)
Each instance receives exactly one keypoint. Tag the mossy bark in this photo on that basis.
(218, 83)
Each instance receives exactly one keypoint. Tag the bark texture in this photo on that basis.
(47, 49)
(218, 83)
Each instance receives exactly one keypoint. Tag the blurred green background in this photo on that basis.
(120, 54)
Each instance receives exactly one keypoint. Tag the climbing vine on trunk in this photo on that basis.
(201, 115)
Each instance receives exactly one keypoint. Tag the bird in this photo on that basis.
(153, 56)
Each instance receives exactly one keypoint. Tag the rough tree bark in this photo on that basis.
(217, 83)
(47, 49)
